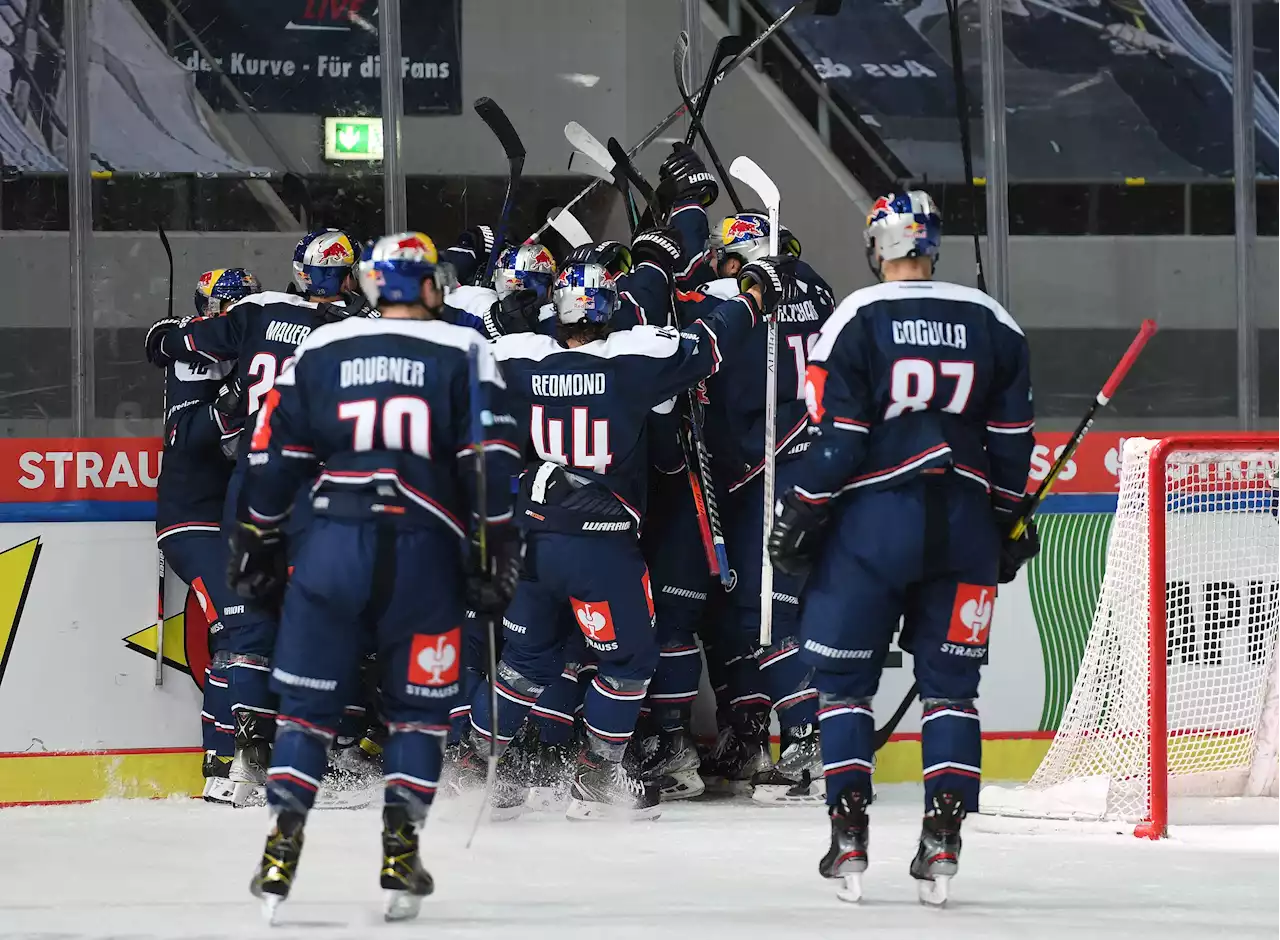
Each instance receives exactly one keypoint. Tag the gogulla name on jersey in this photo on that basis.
(373, 370)
(282, 331)
(930, 333)
(568, 386)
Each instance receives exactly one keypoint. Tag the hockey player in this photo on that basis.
(385, 406)
(261, 334)
(189, 497)
(919, 400)
(590, 395)
(735, 432)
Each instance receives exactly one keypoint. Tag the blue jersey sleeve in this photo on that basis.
(646, 297)
(694, 266)
(1010, 421)
(839, 398)
(503, 443)
(208, 339)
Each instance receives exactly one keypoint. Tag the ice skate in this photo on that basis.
(550, 775)
(218, 787)
(729, 766)
(274, 878)
(472, 772)
(938, 855)
(404, 880)
(847, 857)
(253, 749)
(669, 761)
(352, 781)
(605, 789)
(797, 777)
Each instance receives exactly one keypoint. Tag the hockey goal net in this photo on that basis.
(1176, 694)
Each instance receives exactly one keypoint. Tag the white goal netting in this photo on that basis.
(1222, 600)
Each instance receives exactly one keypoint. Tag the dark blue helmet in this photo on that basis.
(223, 284)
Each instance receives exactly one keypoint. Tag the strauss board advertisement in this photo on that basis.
(82, 716)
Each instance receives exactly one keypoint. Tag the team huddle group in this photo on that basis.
(412, 450)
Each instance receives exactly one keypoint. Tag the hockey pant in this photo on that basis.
(358, 585)
(926, 552)
(604, 581)
(783, 677)
(200, 559)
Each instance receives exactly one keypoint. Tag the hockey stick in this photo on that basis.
(1032, 502)
(570, 229)
(695, 116)
(817, 7)
(586, 144)
(480, 419)
(160, 564)
(727, 48)
(498, 122)
(704, 497)
(745, 169)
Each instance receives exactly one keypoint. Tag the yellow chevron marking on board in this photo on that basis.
(175, 644)
(17, 568)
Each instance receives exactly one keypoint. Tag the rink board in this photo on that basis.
(82, 718)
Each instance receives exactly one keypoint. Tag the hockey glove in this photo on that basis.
(229, 399)
(683, 177)
(229, 444)
(614, 256)
(1015, 554)
(489, 591)
(515, 313)
(478, 241)
(658, 246)
(796, 534)
(258, 568)
(776, 279)
(155, 340)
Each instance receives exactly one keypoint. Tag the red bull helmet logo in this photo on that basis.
(741, 228)
(339, 251)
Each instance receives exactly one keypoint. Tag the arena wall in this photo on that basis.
(81, 717)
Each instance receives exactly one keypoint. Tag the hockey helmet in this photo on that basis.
(218, 287)
(525, 267)
(585, 293)
(393, 268)
(321, 262)
(903, 225)
(746, 236)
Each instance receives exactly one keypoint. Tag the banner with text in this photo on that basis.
(321, 56)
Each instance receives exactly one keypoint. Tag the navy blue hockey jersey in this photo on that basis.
(908, 376)
(589, 406)
(385, 406)
(261, 332)
(194, 474)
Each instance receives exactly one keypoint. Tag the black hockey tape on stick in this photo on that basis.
(817, 7)
(623, 161)
(160, 563)
(696, 127)
(512, 146)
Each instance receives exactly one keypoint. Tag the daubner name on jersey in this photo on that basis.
(371, 370)
(568, 386)
(802, 312)
(930, 333)
(282, 331)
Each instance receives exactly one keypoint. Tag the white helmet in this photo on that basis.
(586, 293)
(525, 267)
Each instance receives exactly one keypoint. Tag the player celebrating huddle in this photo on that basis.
(381, 409)
(590, 393)
(260, 333)
(919, 398)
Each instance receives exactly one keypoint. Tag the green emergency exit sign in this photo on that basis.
(353, 138)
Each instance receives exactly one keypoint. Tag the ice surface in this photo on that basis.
(706, 870)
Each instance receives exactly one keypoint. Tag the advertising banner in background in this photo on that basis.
(312, 57)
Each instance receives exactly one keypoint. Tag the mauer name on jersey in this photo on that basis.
(568, 386)
(282, 331)
(372, 370)
(802, 312)
(930, 333)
